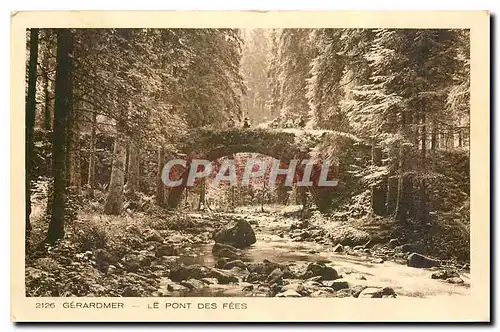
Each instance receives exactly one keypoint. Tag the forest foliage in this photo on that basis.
(105, 108)
(403, 91)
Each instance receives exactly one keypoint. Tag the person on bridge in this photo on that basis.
(302, 121)
(246, 123)
(230, 122)
(288, 124)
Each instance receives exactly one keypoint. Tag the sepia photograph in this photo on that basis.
(219, 162)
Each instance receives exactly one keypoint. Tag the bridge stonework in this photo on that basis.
(282, 144)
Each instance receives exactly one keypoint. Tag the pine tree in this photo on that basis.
(410, 75)
(30, 113)
(254, 66)
(289, 71)
(324, 91)
(62, 106)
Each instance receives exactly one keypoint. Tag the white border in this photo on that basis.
(186, 5)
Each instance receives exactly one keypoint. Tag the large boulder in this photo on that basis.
(219, 246)
(132, 262)
(266, 267)
(221, 262)
(166, 250)
(298, 287)
(276, 276)
(144, 260)
(289, 293)
(255, 277)
(444, 274)
(374, 292)
(339, 284)
(338, 248)
(421, 261)
(195, 271)
(153, 235)
(393, 243)
(102, 255)
(237, 233)
(236, 263)
(222, 250)
(321, 269)
(167, 286)
(193, 284)
(455, 280)
(223, 277)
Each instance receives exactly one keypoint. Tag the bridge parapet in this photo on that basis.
(283, 144)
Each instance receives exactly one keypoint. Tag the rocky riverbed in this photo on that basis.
(271, 254)
(284, 263)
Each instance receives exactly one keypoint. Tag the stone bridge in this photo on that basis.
(282, 144)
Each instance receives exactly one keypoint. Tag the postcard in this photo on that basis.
(250, 166)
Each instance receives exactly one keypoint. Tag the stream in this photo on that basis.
(406, 281)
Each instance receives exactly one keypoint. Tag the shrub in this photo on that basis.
(90, 236)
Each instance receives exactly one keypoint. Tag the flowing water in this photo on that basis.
(406, 281)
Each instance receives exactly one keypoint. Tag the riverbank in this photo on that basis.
(172, 254)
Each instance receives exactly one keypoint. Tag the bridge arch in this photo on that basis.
(213, 144)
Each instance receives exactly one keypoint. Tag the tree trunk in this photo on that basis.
(203, 189)
(91, 176)
(450, 139)
(160, 186)
(133, 167)
(423, 210)
(114, 200)
(392, 195)
(46, 105)
(30, 126)
(74, 151)
(442, 140)
(303, 197)
(403, 205)
(282, 193)
(233, 198)
(263, 197)
(62, 105)
(47, 118)
(127, 154)
(175, 193)
(186, 199)
(434, 136)
(378, 190)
